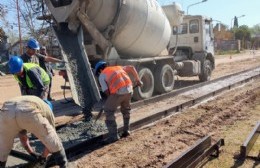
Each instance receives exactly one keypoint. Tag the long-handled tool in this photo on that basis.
(22, 156)
(99, 114)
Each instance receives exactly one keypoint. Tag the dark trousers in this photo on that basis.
(50, 85)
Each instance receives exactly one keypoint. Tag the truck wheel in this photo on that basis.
(206, 71)
(164, 77)
(146, 91)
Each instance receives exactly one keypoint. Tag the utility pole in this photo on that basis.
(19, 27)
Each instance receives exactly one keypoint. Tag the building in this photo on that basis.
(15, 48)
(224, 39)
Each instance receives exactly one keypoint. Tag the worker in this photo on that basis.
(29, 113)
(47, 67)
(31, 77)
(31, 49)
(32, 56)
(43, 59)
(117, 85)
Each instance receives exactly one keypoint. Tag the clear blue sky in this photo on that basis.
(223, 10)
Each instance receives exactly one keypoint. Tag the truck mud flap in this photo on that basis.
(82, 81)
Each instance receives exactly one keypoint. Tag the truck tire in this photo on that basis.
(164, 77)
(206, 71)
(146, 91)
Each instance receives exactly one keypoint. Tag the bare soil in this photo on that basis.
(230, 116)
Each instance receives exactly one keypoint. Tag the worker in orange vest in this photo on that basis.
(118, 87)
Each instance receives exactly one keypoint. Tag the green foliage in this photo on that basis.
(255, 29)
(242, 33)
(255, 40)
(221, 52)
(235, 22)
(220, 26)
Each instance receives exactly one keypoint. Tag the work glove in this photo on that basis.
(139, 83)
(35, 155)
(38, 157)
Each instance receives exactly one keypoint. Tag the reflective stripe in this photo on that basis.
(28, 66)
(116, 78)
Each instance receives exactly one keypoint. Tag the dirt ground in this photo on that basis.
(225, 64)
(230, 116)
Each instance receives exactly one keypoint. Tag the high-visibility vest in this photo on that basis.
(44, 76)
(116, 78)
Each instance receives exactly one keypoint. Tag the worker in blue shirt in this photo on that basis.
(31, 77)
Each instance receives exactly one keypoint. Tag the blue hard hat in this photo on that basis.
(33, 44)
(99, 65)
(49, 103)
(15, 64)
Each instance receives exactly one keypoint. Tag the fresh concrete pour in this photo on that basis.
(70, 135)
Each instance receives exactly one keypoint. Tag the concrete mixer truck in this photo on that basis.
(158, 40)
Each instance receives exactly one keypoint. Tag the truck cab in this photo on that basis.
(195, 34)
(194, 40)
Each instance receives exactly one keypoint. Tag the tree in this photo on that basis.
(2, 35)
(220, 27)
(235, 22)
(255, 39)
(256, 29)
(2, 18)
(243, 33)
(3, 13)
(29, 10)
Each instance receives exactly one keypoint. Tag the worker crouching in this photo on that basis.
(33, 80)
(118, 87)
(30, 113)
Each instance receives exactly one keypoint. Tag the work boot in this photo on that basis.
(125, 134)
(126, 124)
(2, 164)
(109, 140)
(57, 158)
(87, 114)
(112, 135)
(126, 131)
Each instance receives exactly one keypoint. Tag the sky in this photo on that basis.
(223, 10)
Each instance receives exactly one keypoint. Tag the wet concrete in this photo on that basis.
(70, 135)
(80, 131)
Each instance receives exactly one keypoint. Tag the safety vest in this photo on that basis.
(27, 66)
(116, 78)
